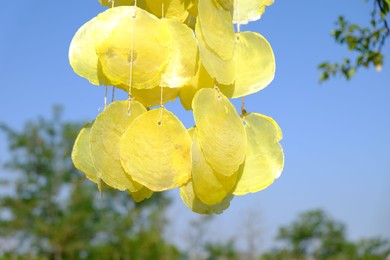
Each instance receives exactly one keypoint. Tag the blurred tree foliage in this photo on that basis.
(314, 235)
(52, 212)
(365, 42)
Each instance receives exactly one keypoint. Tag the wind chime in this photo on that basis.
(156, 51)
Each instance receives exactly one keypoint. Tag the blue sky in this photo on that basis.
(336, 135)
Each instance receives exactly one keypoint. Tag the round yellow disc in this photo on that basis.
(156, 150)
(210, 187)
(249, 10)
(106, 135)
(81, 154)
(110, 3)
(175, 9)
(264, 157)
(190, 199)
(137, 50)
(202, 79)
(221, 131)
(223, 71)
(152, 97)
(255, 65)
(142, 194)
(217, 28)
(184, 59)
(82, 55)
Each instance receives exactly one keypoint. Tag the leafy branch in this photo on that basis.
(366, 42)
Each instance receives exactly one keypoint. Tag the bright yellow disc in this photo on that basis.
(111, 3)
(202, 79)
(140, 195)
(220, 130)
(210, 187)
(157, 153)
(223, 71)
(184, 59)
(175, 9)
(189, 198)
(264, 157)
(152, 97)
(249, 10)
(82, 55)
(217, 28)
(81, 154)
(137, 50)
(255, 65)
(106, 134)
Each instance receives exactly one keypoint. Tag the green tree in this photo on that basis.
(365, 43)
(53, 212)
(221, 251)
(316, 235)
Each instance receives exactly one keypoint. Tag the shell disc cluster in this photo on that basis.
(160, 50)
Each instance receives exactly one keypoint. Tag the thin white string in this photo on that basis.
(113, 94)
(130, 97)
(105, 98)
(161, 88)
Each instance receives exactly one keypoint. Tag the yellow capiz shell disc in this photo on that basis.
(106, 134)
(175, 9)
(210, 187)
(157, 155)
(224, 71)
(152, 97)
(264, 157)
(142, 194)
(255, 65)
(152, 46)
(190, 199)
(217, 28)
(108, 3)
(202, 79)
(81, 154)
(82, 56)
(249, 10)
(183, 62)
(220, 130)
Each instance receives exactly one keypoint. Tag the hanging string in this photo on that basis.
(113, 94)
(130, 97)
(237, 14)
(161, 87)
(105, 98)
(217, 89)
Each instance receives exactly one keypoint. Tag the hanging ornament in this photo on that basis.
(156, 51)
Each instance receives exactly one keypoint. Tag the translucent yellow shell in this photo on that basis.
(82, 55)
(183, 62)
(217, 28)
(175, 9)
(224, 71)
(189, 198)
(255, 65)
(209, 186)
(220, 130)
(140, 195)
(264, 157)
(106, 135)
(81, 154)
(157, 155)
(110, 3)
(202, 79)
(152, 97)
(249, 10)
(140, 39)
